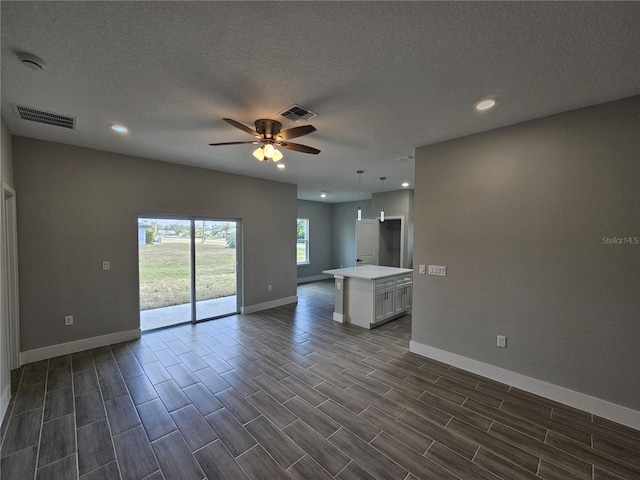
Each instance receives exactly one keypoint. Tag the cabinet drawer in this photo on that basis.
(385, 283)
(402, 279)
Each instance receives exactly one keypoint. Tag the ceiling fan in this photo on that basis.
(268, 135)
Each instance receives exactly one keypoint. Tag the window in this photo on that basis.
(303, 241)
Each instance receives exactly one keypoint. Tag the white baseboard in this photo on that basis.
(339, 317)
(314, 278)
(267, 305)
(581, 401)
(4, 400)
(51, 351)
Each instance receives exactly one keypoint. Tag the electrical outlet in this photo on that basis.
(106, 265)
(68, 320)
(269, 287)
(502, 341)
(422, 269)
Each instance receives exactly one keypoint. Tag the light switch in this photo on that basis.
(438, 270)
(106, 265)
(422, 269)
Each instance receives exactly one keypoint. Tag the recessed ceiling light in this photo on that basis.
(281, 165)
(323, 195)
(405, 184)
(119, 128)
(486, 104)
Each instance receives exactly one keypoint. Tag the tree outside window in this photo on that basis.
(303, 241)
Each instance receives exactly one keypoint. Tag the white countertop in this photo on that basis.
(368, 272)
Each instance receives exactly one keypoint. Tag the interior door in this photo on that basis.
(367, 242)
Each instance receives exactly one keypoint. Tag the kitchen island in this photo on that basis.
(371, 295)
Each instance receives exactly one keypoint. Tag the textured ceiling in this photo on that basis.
(384, 77)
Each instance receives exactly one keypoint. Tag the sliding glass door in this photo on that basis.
(215, 265)
(187, 269)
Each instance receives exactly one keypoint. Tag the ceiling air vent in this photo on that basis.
(40, 116)
(297, 112)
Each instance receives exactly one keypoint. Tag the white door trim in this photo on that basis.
(10, 296)
(401, 218)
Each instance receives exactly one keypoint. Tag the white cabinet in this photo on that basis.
(392, 297)
(403, 293)
(384, 304)
(371, 295)
(403, 297)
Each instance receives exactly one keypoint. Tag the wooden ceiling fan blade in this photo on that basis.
(296, 132)
(255, 142)
(242, 127)
(299, 148)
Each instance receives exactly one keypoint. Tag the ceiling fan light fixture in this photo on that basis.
(259, 154)
(277, 155)
(268, 150)
(269, 135)
(281, 165)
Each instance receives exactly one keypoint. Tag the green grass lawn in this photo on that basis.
(300, 253)
(165, 273)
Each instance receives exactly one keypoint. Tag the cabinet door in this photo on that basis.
(383, 304)
(389, 303)
(407, 297)
(399, 298)
(403, 297)
(379, 305)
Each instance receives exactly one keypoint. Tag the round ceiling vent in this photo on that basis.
(31, 61)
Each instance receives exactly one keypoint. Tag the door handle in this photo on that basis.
(358, 259)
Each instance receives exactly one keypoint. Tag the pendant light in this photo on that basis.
(382, 179)
(359, 172)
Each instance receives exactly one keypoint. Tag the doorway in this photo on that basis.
(188, 269)
(380, 243)
(390, 243)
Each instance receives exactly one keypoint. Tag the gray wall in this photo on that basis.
(6, 176)
(7, 156)
(78, 206)
(343, 247)
(320, 234)
(398, 203)
(518, 215)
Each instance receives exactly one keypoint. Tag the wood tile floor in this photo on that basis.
(288, 393)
